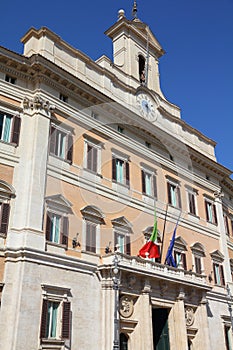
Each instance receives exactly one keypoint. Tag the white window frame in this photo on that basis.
(175, 196)
(193, 192)
(123, 159)
(61, 152)
(209, 206)
(152, 173)
(198, 251)
(55, 294)
(89, 141)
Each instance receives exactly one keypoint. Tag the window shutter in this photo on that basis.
(128, 248)
(89, 157)
(127, 173)
(178, 196)
(155, 186)
(206, 210)
(16, 130)
(114, 168)
(215, 277)
(222, 275)
(88, 237)
(66, 320)
(215, 214)
(115, 240)
(143, 182)
(94, 159)
(48, 227)
(183, 257)
(69, 156)
(44, 315)
(198, 265)
(65, 230)
(5, 212)
(52, 145)
(169, 193)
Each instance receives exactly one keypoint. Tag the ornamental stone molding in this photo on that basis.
(38, 104)
(189, 316)
(126, 306)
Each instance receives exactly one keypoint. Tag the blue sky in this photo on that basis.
(196, 72)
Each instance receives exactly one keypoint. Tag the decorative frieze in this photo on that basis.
(38, 104)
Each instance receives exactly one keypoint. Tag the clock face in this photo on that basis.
(146, 107)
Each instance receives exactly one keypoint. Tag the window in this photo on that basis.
(9, 128)
(198, 255)
(92, 154)
(122, 243)
(91, 237)
(149, 186)
(225, 218)
(63, 98)
(55, 316)
(57, 228)
(6, 193)
(122, 231)
(192, 194)
(120, 129)
(180, 259)
(173, 191)
(218, 274)
(231, 227)
(141, 67)
(228, 337)
(179, 253)
(211, 215)
(57, 221)
(61, 143)
(4, 218)
(123, 341)
(92, 219)
(10, 79)
(120, 170)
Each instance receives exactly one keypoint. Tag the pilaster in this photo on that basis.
(30, 175)
(177, 324)
(223, 236)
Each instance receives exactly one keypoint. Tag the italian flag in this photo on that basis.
(151, 247)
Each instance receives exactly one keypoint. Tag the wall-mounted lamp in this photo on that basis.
(75, 242)
(108, 249)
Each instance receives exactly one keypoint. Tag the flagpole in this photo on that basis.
(164, 226)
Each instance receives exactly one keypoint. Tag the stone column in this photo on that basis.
(177, 325)
(202, 339)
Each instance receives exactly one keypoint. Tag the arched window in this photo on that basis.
(123, 341)
(141, 66)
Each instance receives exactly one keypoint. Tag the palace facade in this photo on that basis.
(88, 150)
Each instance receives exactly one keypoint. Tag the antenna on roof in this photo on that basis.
(134, 10)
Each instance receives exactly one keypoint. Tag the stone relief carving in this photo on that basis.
(37, 103)
(189, 316)
(131, 281)
(126, 306)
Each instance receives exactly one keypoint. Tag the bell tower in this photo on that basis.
(136, 51)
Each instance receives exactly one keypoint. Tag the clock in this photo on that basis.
(146, 107)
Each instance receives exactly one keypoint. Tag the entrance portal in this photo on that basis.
(160, 329)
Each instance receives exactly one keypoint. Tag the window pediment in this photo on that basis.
(148, 231)
(93, 213)
(7, 191)
(180, 243)
(198, 248)
(217, 255)
(58, 202)
(122, 223)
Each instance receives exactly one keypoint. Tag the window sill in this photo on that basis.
(7, 146)
(55, 247)
(51, 344)
(91, 175)
(59, 162)
(119, 187)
